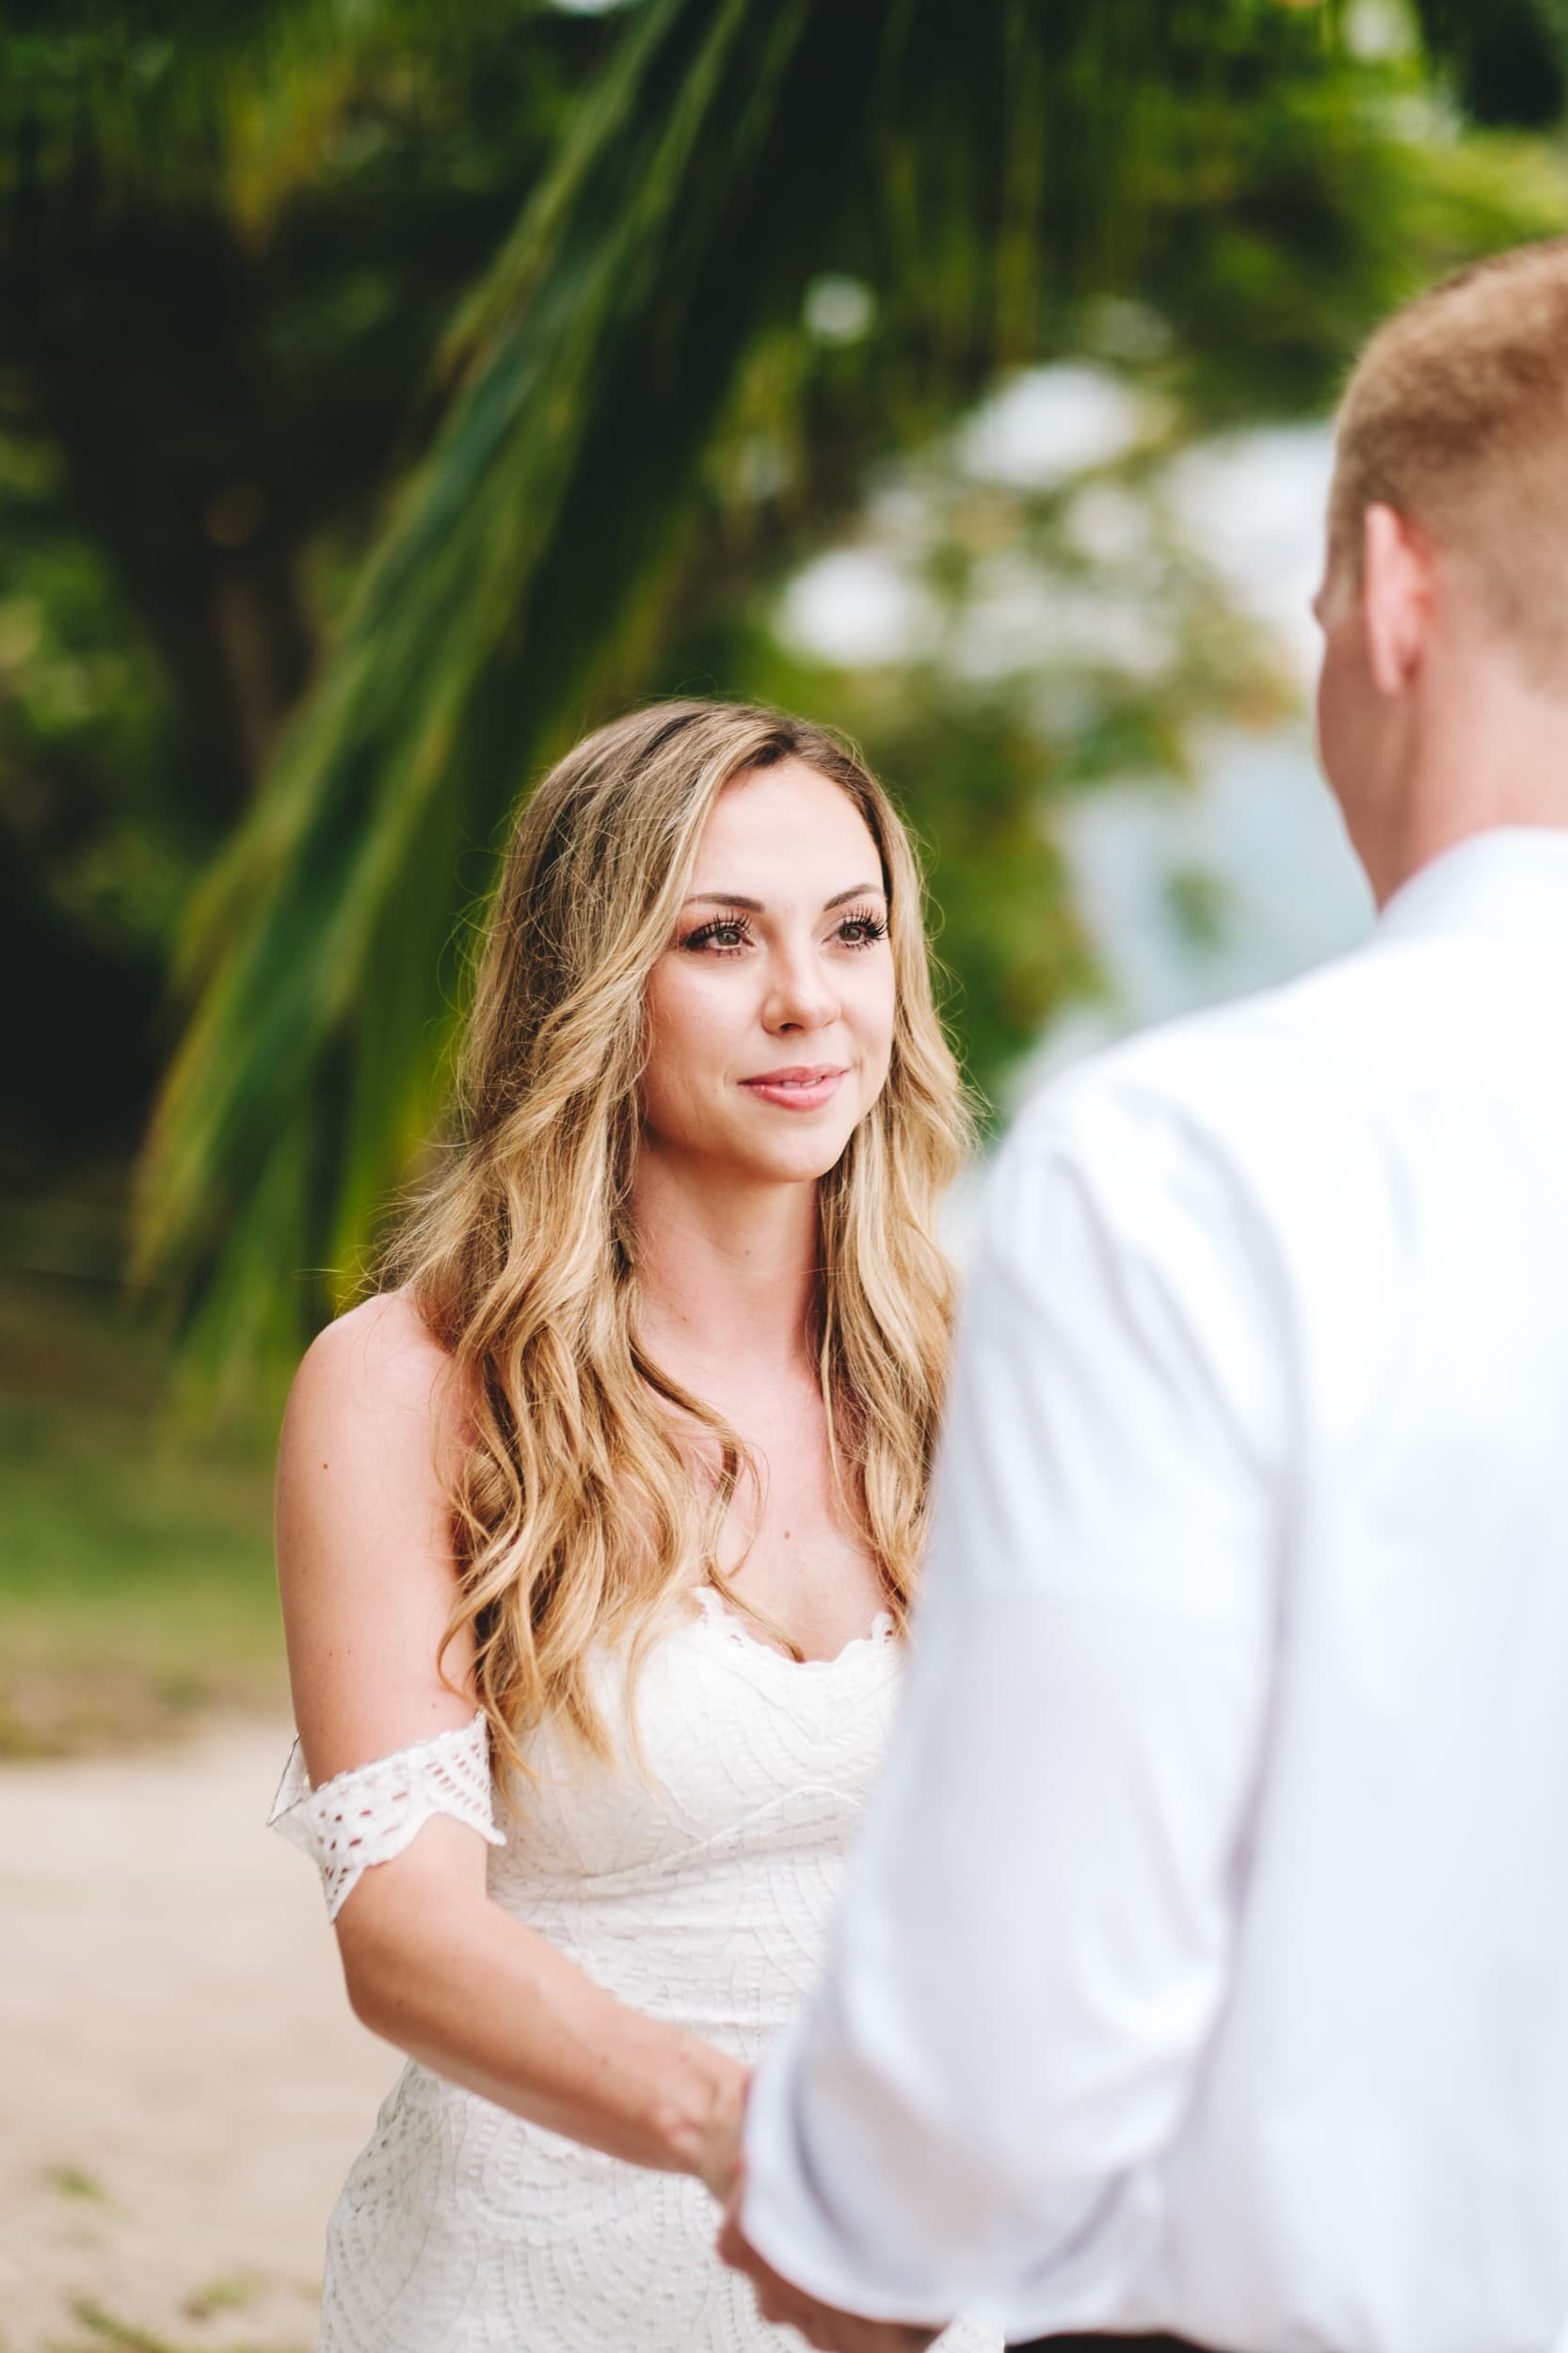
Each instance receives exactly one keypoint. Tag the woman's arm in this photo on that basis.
(367, 1577)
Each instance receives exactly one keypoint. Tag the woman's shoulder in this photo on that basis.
(382, 1342)
(362, 1519)
(376, 1367)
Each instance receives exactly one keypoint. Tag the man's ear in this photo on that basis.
(1396, 597)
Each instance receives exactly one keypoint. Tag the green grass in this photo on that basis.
(71, 2181)
(104, 2331)
(136, 1568)
(231, 2294)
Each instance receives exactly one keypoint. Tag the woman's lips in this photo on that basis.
(803, 1088)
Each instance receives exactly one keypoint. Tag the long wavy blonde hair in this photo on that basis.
(580, 1504)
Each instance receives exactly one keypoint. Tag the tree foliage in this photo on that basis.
(523, 306)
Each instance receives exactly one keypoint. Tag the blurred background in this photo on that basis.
(389, 391)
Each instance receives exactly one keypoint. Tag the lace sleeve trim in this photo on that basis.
(369, 1812)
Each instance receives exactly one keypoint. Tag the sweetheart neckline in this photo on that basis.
(715, 1611)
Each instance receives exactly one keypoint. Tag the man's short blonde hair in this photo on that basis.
(1457, 417)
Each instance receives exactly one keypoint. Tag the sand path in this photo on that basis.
(182, 2083)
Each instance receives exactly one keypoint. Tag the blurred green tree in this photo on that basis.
(229, 243)
(756, 249)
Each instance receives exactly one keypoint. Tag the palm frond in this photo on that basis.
(972, 158)
(731, 149)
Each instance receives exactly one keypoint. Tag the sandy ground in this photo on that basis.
(182, 2083)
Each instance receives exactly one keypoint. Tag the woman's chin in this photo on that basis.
(796, 1168)
(797, 1156)
(798, 1160)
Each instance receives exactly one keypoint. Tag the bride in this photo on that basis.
(596, 1533)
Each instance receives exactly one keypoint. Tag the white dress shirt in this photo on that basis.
(1203, 1964)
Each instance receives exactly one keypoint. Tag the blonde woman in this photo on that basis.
(596, 1532)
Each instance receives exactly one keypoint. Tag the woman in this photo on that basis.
(608, 1504)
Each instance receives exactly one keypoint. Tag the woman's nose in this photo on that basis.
(801, 995)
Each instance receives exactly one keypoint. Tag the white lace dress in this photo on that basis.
(702, 1896)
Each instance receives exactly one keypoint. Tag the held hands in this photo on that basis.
(786, 2306)
(718, 2164)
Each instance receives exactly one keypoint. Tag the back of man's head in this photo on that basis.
(1457, 417)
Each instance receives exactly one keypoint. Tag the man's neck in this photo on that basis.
(1490, 754)
(1432, 834)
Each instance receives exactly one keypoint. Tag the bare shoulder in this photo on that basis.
(378, 1358)
(360, 1429)
(365, 1564)
(377, 1371)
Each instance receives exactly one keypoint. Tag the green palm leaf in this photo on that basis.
(719, 162)
(976, 160)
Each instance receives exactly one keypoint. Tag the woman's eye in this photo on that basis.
(730, 934)
(724, 933)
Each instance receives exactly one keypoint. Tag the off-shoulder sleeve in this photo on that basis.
(369, 1812)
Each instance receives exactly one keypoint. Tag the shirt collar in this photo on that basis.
(1510, 879)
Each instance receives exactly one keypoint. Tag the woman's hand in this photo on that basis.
(716, 2160)
(778, 2301)
(785, 2306)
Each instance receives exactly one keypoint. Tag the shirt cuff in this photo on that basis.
(784, 2215)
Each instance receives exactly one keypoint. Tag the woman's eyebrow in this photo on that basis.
(755, 906)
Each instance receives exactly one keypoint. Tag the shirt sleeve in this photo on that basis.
(1033, 1948)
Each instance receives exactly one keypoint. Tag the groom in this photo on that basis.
(1202, 1978)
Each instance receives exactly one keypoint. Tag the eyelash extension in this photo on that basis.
(705, 931)
(872, 925)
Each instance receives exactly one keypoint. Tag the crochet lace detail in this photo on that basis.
(731, 1628)
(698, 1892)
(369, 1812)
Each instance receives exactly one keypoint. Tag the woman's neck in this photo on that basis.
(726, 1272)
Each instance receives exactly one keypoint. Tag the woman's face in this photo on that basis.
(770, 1013)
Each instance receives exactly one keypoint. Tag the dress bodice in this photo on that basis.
(694, 1882)
(698, 1889)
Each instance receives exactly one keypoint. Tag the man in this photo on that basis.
(1203, 1975)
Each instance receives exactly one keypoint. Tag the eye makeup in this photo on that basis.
(729, 934)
